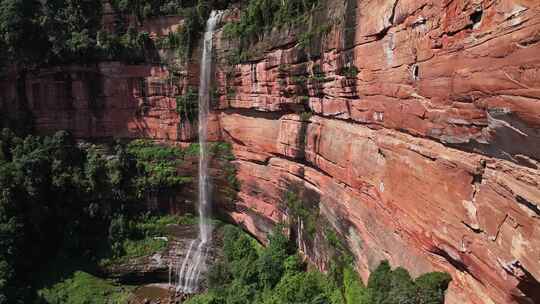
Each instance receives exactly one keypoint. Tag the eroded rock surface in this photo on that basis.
(416, 123)
(426, 154)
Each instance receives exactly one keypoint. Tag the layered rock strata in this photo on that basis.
(422, 142)
(414, 124)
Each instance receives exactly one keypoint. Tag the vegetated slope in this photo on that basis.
(77, 203)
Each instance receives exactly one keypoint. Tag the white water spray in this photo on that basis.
(189, 271)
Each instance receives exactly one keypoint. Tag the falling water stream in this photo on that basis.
(188, 272)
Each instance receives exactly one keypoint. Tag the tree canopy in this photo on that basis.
(62, 197)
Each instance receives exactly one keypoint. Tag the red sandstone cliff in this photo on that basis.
(428, 156)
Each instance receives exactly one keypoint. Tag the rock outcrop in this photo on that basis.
(108, 100)
(423, 141)
(156, 267)
(415, 124)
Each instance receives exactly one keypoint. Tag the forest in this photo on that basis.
(61, 199)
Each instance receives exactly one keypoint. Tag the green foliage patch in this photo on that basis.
(139, 236)
(308, 37)
(157, 166)
(83, 288)
(143, 9)
(349, 71)
(131, 46)
(60, 198)
(271, 275)
(187, 105)
(70, 31)
(275, 274)
(299, 210)
(260, 17)
(387, 286)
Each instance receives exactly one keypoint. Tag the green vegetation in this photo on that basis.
(33, 33)
(186, 36)
(284, 68)
(251, 274)
(70, 31)
(318, 78)
(194, 13)
(318, 74)
(300, 212)
(353, 288)
(238, 55)
(60, 32)
(143, 9)
(260, 17)
(191, 30)
(149, 225)
(139, 236)
(187, 105)
(231, 92)
(396, 286)
(84, 288)
(138, 248)
(215, 94)
(349, 71)
(131, 46)
(306, 115)
(61, 199)
(276, 275)
(223, 152)
(157, 167)
(308, 37)
(303, 99)
(299, 80)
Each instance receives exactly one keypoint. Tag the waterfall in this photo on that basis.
(189, 271)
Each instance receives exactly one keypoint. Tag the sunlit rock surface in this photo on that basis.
(427, 156)
(422, 146)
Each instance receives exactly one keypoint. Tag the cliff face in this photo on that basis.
(414, 125)
(423, 146)
(109, 100)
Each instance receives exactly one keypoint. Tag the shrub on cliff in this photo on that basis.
(187, 105)
(301, 287)
(130, 47)
(156, 167)
(139, 235)
(259, 18)
(270, 264)
(143, 9)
